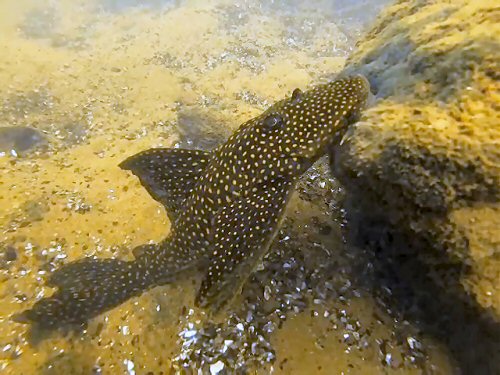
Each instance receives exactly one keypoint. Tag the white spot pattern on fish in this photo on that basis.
(225, 206)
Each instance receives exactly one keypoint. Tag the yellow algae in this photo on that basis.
(117, 80)
(480, 225)
(435, 134)
(423, 165)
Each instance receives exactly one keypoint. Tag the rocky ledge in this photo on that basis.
(422, 167)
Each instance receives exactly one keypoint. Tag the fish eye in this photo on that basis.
(273, 120)
(297, 95)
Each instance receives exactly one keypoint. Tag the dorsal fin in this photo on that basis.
(168, 174)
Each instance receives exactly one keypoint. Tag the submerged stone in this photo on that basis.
(17, 140)
(200, 129)
(421, 169)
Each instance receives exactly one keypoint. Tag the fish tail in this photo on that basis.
(87, 288)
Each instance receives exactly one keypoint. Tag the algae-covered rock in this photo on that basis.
(423, 164)
(429, 150)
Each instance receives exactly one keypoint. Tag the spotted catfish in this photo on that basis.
(225, 206)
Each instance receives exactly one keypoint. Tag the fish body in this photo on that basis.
(225, 206)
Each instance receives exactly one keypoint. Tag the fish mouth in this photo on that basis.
(306, 153)
(307, 157)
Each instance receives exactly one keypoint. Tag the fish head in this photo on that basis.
(296, 131)
(311, 121)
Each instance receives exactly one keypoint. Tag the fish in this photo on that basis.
(225, 206)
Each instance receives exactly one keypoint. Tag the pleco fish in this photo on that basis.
(225, 206)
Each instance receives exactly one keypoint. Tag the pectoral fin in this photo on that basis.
(168, 174)
(242, 234)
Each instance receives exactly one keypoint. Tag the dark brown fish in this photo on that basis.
(225, 206)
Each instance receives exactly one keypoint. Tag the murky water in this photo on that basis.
(86, 84)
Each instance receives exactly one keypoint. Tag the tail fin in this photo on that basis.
(87, 288)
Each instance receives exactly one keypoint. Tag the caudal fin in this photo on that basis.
(87, 288)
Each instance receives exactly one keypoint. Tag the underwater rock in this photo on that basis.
(200, 129)
(422, 167)
(20, 139)
(8, 255)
